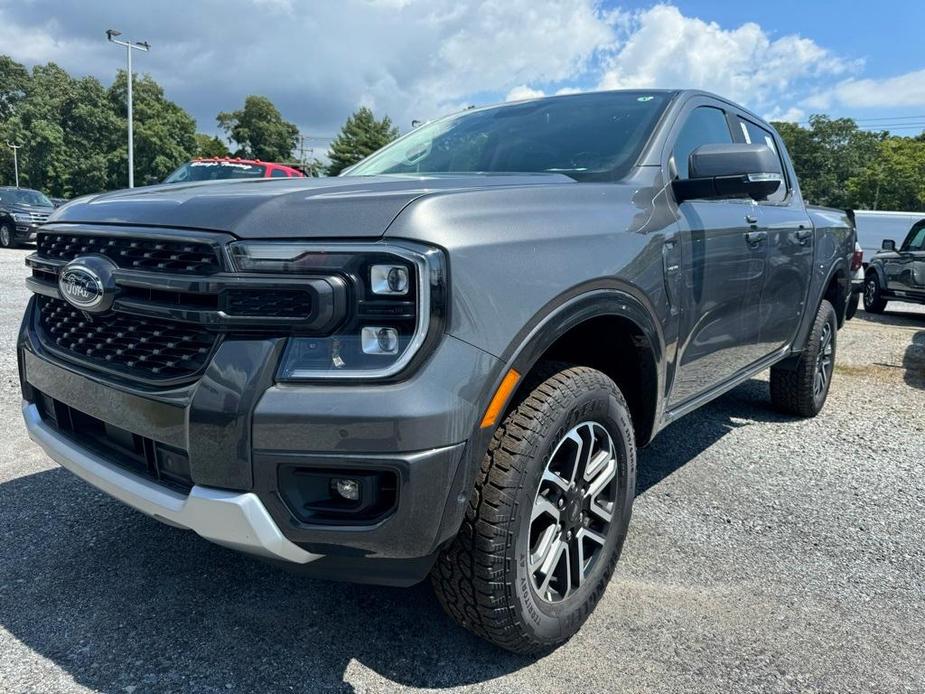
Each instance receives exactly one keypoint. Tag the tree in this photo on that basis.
(259, 130)
(14, 82)
(361, 135)
(895, 180)
(827, 155)
(165, 134)
(210, 146)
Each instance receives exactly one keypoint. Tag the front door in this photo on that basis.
(724, 268)
(906, 272)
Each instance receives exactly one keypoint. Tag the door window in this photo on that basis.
(705, 125)
(916, 240)
(756, 135)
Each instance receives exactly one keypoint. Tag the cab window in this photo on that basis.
(756, 135)
(705, 125)
(278, 173)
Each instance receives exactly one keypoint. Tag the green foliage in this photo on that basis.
(165, 134)
(895, 180)
(260, 131)
(213, 146)
(73, 130)
(827, 155)
(360, 136)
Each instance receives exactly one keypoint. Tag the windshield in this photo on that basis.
(24, 196)
(590, 137)
(215, 170)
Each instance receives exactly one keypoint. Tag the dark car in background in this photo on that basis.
(22, 211)
(221, 168)
(897, 273)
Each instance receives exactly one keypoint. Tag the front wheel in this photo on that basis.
(803, 389)
(873, 295)
(7, 237)
(547, 519)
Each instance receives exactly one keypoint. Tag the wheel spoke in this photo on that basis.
(546, 544)
(543, 505)
(555, 479)
(549, 566)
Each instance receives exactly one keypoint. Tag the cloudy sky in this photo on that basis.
(320, 59)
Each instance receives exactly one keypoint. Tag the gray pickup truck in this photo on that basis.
(443, 362)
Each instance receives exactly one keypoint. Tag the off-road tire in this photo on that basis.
(793, 389)
(481, 578)
(873, 294)
(7, 236)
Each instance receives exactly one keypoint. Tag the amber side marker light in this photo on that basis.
(496, 405)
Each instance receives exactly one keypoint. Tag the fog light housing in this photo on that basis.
(389, 279)
(346, 488)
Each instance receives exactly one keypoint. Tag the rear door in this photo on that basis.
(723, 266)
(790, 241)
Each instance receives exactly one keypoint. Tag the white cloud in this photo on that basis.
(417, 59)
(522, 91)
(664, 48)
(902, 90)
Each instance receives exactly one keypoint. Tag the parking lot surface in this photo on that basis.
(765, 554)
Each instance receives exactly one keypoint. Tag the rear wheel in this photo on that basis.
(873, 295)
(803, 390)
(7, 236)
(548, 517)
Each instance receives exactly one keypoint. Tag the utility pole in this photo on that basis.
(15, 159)
(129, 47)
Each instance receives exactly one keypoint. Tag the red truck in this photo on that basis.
(215, 168)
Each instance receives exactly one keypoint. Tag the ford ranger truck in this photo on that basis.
(443, 362)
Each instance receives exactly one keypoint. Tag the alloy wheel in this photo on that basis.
(5, 236)
(572, 511)
(824, 362)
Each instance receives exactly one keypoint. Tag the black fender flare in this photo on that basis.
(565, 312)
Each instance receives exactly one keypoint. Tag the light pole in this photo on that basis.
(15, 159)
(129, 47)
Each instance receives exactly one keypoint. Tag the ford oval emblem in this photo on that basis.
(81, 286)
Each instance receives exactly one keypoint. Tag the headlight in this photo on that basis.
(395, 305)
(22, 218)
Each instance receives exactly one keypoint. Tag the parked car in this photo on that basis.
(876, 225)
(22, 211)
(443, 362)
(897, 273)
(219, 168)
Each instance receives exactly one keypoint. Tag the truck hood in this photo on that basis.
(26, 209)
(344, 207)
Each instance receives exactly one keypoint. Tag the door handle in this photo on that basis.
(751, 219)
(755, 237)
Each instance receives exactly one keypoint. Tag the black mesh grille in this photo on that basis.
(268, 303)
(155, 255)
(143, 348)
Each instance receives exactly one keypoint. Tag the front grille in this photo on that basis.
(36, 217)
(136, 347)
(275, 303)
(154, 255)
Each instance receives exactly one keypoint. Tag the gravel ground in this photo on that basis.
(765, 554)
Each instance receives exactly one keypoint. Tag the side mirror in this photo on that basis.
(730, 171)
(888, 245)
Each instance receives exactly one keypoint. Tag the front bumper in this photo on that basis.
(239, 429)
(234, 519)
(26, 232)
